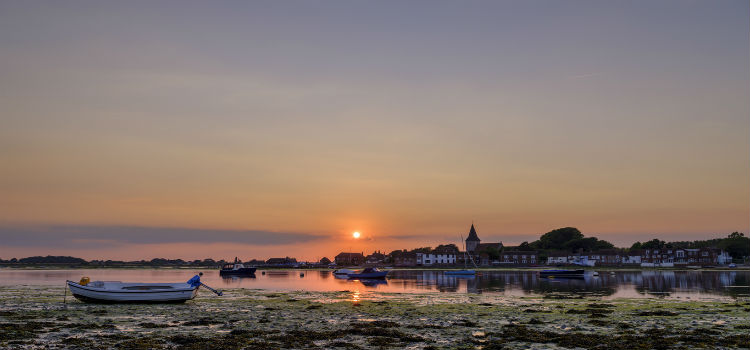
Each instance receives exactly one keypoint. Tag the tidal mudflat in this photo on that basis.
(34, 317)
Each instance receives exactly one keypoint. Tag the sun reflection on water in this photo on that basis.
(355, 297)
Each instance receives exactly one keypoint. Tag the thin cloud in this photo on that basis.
(109, 236)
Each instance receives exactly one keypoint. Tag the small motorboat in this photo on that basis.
(343, 272)
(236, 269)
(368, 273)
(460, 273)
(123, 292)
(562, 273)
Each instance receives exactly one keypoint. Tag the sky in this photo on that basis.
(258, 129)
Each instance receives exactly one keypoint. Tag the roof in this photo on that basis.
(483, 246)
(472, 235)
(349, 255)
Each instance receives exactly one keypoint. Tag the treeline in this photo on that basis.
(73, 261)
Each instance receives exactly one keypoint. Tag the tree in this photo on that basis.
(325, 261)
(653, 244)
(556, 239)
(636, 245)
(736, 244)
(736, 234)
(425, 250)
(525, 247)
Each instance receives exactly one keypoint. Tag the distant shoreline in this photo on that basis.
(415, 268)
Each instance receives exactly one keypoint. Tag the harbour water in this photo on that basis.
(699, 284)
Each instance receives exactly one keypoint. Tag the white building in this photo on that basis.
(554, 260)
(427, 259)
(631, 259)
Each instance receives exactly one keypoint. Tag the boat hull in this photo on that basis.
(370, 275)
(245, 271)
(100, 295)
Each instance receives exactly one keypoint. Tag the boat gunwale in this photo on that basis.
(91, 289)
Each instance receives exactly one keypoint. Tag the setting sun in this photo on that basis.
(355, 234)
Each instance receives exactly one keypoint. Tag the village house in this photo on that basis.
(349, 259)
(375, 258)
(282, 262)
(444, 256)
(512, 257)
(557, 258)
(670, 257)
(403, 258)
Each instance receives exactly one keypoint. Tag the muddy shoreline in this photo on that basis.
(34, 317)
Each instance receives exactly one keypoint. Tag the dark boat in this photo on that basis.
(237, 269)
(562, 273)
(369, 273)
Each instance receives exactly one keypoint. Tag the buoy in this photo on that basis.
(263, 273)
(596, 273)
(302, 274)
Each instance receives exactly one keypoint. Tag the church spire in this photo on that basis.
(472, 234)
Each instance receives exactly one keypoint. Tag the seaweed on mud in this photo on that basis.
(536, 311)
(600, 323)
(375, 324)
(154, 325)
(313, 307)
(599, 306)
(650, 339)
(535, 321)
(203, 321)
(14, 331)
(142, 343)
(228, 341)
(90, 326)
(343, 344)
(465, 323)
(657, 313)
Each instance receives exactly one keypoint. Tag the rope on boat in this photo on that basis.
(219, 293)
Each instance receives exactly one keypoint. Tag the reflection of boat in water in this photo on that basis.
(460, 273)
(236, 269)
(237, 277)
(373, 282)
(562, 273)
(369, 273)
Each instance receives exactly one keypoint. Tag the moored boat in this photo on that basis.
(562, 273)
(368, 273)
(343, 272)
(123, 292)
(237, 268)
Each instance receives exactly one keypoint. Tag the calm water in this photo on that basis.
(629, 284)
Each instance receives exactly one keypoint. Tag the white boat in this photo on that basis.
(119, 292)
(344, 272)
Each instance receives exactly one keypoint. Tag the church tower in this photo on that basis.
(472, 241)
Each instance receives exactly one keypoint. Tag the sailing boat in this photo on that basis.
(463, 272)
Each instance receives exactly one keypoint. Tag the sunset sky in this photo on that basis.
(179, 129)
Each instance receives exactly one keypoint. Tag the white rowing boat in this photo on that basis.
(120, 292)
